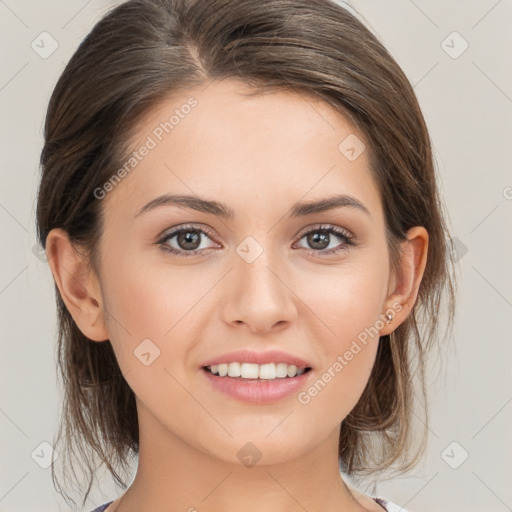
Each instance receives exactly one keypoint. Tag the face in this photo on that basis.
(310, 284)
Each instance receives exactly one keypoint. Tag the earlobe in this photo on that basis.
(79, 288)
(406, 285)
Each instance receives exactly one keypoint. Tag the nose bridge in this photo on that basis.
(258, 296)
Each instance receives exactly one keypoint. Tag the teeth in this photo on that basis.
(254, 371)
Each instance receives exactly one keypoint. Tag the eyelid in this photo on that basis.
(199, 227)
(321, 226)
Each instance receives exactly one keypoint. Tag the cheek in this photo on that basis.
(348, 348)
(338, 387)
(150, 328)
(155, 302)
(348, 303)
(150, 298)
(346, 300)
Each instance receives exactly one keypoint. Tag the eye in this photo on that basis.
(188, 241)
(321, 238)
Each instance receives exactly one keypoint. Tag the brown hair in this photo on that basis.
(135, 57)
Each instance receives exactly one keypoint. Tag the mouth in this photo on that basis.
(257, 384)
(255, 372)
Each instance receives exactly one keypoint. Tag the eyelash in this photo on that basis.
(325, 228)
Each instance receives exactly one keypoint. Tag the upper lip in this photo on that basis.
(256, 357)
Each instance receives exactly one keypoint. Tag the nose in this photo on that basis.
(259, 296)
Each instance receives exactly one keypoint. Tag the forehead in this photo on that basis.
(220, 142)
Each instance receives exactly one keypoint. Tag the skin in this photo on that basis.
(241, 151)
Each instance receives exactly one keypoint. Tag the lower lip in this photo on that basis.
(257, 391)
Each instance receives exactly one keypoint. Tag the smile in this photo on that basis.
(255, 371)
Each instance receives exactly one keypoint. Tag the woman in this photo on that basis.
(239, 208)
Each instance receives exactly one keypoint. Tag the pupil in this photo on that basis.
(319, 239)
(188, 240)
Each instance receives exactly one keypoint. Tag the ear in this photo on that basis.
(403, 288)
(79, 287)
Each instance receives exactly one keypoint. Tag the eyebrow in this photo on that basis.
(221, 210)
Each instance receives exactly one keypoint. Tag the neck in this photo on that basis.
(172, 475)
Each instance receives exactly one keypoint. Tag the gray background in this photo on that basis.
(467, 102)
